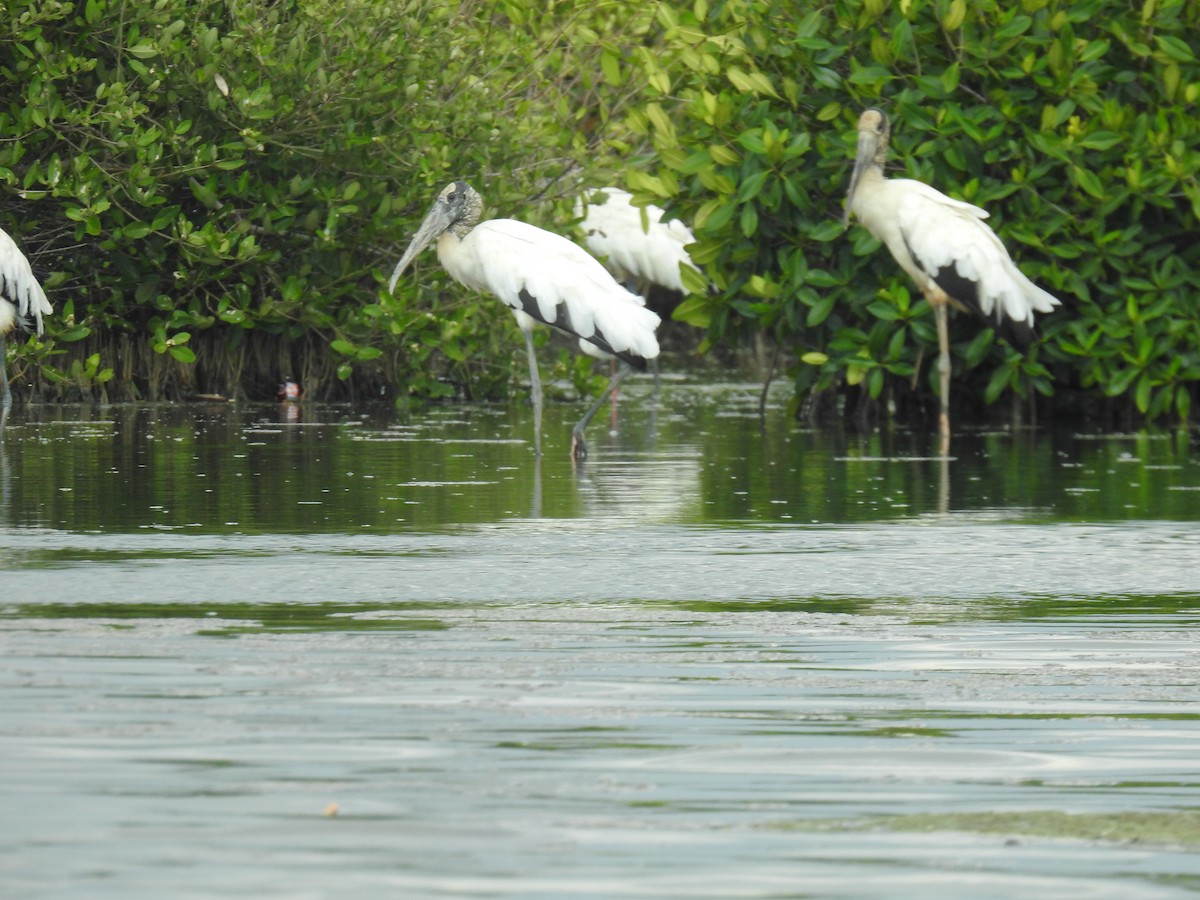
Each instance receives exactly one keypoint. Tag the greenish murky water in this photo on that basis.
(326, 652)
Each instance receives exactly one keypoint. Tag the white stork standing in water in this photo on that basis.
(638, 245)
(945, 248)
(542, 277)
(22, 305)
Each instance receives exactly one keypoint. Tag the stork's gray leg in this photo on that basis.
(535, 391)
(578, 445)
(940, 315)
(6, 399)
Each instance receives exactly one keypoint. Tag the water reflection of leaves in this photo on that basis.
(230, 619)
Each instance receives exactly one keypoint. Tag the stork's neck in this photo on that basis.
(872, 174)
(865, 203)
(448, 240)
(881, 154)
(472, 212)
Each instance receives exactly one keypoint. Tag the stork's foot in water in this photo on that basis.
(578, 445)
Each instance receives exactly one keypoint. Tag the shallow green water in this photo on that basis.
(316, 652)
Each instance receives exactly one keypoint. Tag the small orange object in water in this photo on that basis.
(288, 390)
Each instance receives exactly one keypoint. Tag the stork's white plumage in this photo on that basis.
(944, 246)
(542, 277)
(22, 305)
(636, 243)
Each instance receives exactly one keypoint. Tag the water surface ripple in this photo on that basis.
(326, 653)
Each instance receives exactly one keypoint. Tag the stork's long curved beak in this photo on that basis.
(868, 146)
(436, 221)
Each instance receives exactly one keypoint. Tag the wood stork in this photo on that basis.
(636, 244)
(542, 277)
(22, 305)
(945, 248)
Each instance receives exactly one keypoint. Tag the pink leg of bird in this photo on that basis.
(578, 444)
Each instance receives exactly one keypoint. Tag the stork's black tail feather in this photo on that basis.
(965, 292)
(564, 325)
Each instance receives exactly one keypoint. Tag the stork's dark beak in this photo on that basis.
(868, 146)
(437, 220)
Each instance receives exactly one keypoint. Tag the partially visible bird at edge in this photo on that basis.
(542, 277)
(945, 247)
(22, 305)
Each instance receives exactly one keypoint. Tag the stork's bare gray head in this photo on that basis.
(457, 208)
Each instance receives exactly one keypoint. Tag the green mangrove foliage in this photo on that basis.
(214, 190)
(211, 188)
(1074, 123)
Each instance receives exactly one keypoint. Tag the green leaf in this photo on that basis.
(829, 111)
(883, 310)
(1014, 27)
(1120, 382)
(73, 333)
(827, 230)
(610, 66)
(752, 142)
(693, 281)
(695, 310)
(1141, 395)
(1101, 140)
(1089, 182)
(875, 382)
(820, 310)
(1175, 48)
(752, 185)
(996, 385)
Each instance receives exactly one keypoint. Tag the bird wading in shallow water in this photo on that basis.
(945, 248)
(541, 277)
(640, 250)
(639, 247)
(22, 305)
